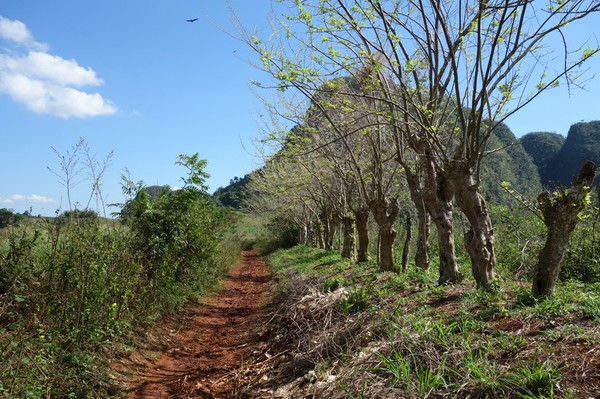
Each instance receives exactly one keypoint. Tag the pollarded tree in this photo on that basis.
(303, 190)
(352, 173)
(458, 70)
(357, 105)
(348, 131)
(560, 211)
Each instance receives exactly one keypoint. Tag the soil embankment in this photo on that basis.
(205, 356)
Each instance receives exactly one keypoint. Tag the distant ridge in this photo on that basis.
(558, 159)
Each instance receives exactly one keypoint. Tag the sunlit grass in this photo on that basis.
(452, 341)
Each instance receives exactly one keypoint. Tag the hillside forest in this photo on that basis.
(418, 249)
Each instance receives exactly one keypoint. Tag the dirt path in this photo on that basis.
(206, 354)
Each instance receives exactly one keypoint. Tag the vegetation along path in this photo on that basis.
(205, 357)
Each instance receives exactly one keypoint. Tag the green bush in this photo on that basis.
(80, 214)
(277, 233)
(521, 235)
(9, 218)
(70, 285)
(582, 259)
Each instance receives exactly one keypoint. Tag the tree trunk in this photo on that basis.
(385, 212)
(331, 225)
(479, 239)
(437, 196)
(444, 224)
(362, 228)
(560, 212)
(303, 234)
(406, 249)
(310, 234)
(386, 247)
(423, 219)
(349, 243)
(327, 240)
(423, 233)
(320, 242)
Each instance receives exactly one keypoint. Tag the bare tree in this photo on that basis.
(364, 160)
(70, 168)
(96, 171)
(448, 73)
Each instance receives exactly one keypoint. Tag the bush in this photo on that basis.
(522, 236)
(277, 233)
(70, 285)
(177, 234)
(80, 214)
(582, 259)
(9, 218)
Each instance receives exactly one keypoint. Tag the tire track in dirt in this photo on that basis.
(205, 357)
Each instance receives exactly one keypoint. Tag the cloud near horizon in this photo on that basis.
(33, 198)
(46, 83)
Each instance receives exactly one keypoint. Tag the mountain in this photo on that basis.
(508, 162)
(582, 143)
(558, 159)
(542, 147)
(233, 195)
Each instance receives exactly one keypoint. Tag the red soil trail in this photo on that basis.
(206, 355)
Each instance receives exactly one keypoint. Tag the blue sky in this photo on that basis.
(135, 78)
(129, 76)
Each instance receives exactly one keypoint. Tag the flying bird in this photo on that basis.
(191, 20)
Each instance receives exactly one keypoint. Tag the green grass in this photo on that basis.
(306, 259)
(454, 341)
(249, 229)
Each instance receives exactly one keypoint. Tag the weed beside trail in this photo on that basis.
(76, 288)
(347, 331)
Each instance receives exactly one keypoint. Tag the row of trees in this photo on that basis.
(404, 97)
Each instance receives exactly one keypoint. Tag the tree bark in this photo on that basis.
(362, 228)
(303, 234)
(334, 224)
(310, 234)
(444, 224)
(320, 242)
(385, 212)
(423, 219)
(560, 211)
(349, 243)
(406, 249)
(423, 244)
(437, 196)
(326, 223)
(386, 247)
(479, 239)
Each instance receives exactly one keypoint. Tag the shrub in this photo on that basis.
(277, 233)
(72, 284)
(9, 218)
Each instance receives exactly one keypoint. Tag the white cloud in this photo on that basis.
(50, 68)
(17, 32)
(33, 198)
(47, 83)
(47, 98)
